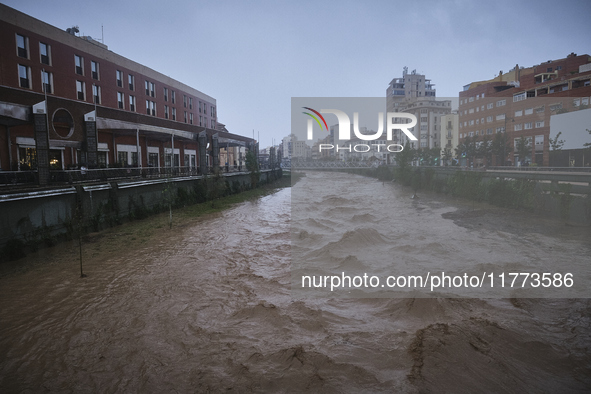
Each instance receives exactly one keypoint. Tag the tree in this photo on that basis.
(500, 147)
(446, 155)
(555, 148)
(485, 149)
(470, 148)
(460, 150)
(523, 148)
(556, 144)
(587, 144)
(252, 165)
(405, 157)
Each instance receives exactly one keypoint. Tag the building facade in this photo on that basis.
(449, 137)
(67, 101)
(415, 94)
(520, 105)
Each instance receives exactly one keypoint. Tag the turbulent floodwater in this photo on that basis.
(213, 308)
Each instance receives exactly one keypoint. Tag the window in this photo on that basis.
(130, 81)
(549, 69)
(81, 90)
(186, 119)
(541, 109)
(527, 126)
(585, 101)
(500, 130)
(529, 111)
(150, 107)
(489, 131)
(489, 119)
(22, 46)
(519, 97)
(554, 107)
(165, 94)
(166, 112)
(190, 102)
(119, 78)
(94, 68)
(185, 100)
(212, 111)
(174, 114)
(200, 120)
(500, 117)
(519, 113)
(122, 158)
(518, 127)
(489, 106)
(79, 62)
(191, 118)
(132, 103)
(213, 124)
(539, 124)
(120, 98)
(150, 89)
(172, 96)
(96, 94)
(47, 80)
(471, 99)
(45, 53)
(471, 111)
(24, 76)
(500, 103)
(205, 108)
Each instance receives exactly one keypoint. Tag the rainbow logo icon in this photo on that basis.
(315, 118)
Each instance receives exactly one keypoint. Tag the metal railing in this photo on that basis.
(18, 177)
(24, 178)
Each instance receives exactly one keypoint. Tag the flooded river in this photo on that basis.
(214, 305)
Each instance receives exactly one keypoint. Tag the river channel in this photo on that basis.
(215, 305)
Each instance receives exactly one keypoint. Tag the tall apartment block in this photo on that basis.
(415, 94)
(522, 102)
(67, 101)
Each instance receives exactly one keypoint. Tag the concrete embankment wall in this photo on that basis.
(41, 218)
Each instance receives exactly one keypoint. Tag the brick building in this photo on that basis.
(521, 102)
(67, 101)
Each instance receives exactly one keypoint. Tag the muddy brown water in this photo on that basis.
(209, 307)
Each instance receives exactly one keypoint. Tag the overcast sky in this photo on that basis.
(253, 56)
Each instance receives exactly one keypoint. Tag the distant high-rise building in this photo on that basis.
(415, 94)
